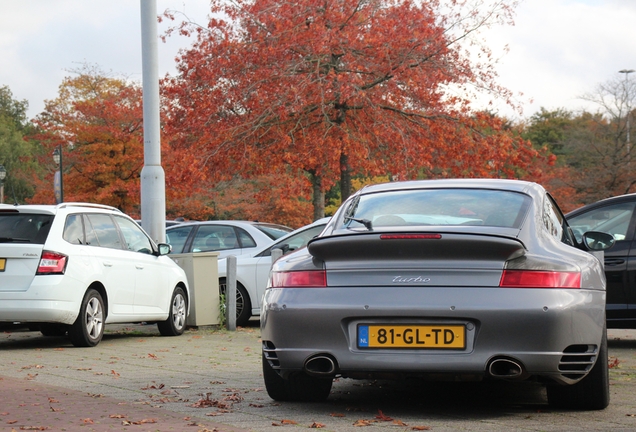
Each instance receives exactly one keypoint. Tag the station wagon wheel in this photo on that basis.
(591, 393)
(243, 302)
(88, 328)
(176, 323)
(298, 387)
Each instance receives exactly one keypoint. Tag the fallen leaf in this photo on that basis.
(315, 425)
(117, 416)
(115, 374)
(362, 423)
(399, 423)
(382, 417)
(88, 421)
(420, 428)
(285, 421)
(337, 415)
(152, 356)
(145, 421)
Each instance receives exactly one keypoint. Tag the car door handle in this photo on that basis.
(139, 267)
(107, 264)
(614, 262)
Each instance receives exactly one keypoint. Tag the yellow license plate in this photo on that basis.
(3, 262)
(412, 336)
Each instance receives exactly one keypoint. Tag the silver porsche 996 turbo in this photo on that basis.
(467, 279)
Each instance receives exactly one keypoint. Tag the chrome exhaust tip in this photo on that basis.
(505, 368)
(320, 365)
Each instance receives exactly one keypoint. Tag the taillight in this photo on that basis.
(539, 279)
(299, 279)
(52, 263)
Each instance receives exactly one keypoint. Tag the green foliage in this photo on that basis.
(16, 154)
(550, 129)
(222, 311)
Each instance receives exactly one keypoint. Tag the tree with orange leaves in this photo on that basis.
(97, 121)
(331, 89)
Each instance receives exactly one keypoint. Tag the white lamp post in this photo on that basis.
(3, 175)
(627, 72)
(58, 182)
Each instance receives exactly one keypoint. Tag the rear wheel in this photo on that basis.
(176, 323)
(243, 302)
(88, 328)
(298, 387)
(591, 393)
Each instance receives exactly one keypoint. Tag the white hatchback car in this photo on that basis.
(76, 266)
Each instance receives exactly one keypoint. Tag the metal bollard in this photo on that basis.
(230, 293)
(276, 253)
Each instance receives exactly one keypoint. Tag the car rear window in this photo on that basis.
(274, 231)
(24, 228)
(485, 207)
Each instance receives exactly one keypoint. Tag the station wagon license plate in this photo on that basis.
(412, 336)
(3, 263)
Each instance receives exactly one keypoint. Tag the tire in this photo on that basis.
(176, 323)
(591, 393)
(243, 302)
(50, 329)
(88, 328)
(298, 387)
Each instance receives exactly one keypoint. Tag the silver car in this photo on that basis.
(459, 279)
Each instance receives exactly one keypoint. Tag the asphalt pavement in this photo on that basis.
(210, 380)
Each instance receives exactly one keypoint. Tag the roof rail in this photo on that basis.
(81, 204)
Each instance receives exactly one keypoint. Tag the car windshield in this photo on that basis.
(495, 208)
(273, 231)
(24, 228)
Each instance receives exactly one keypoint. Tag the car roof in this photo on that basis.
(617, 198)
(469, 183)
(55, 208)
(226, 222)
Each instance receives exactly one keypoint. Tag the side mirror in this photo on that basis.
(164, 248)
(598, 241)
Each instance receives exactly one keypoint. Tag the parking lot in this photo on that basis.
(210, 379)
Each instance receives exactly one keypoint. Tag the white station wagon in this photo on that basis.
(73, 267)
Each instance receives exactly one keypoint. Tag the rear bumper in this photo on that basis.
(536, 327)
(46, 300)
(26, 311)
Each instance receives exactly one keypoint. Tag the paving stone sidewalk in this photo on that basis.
(211, 380)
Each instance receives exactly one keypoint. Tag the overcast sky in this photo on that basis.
(558, 49)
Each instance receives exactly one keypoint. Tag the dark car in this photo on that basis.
(614, 216)
(441, 279)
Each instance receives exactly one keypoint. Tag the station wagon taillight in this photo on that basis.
(540, 279)
(300, 279)
(52, 263)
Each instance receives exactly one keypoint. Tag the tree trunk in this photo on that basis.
(345, 177)
(318, 196)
